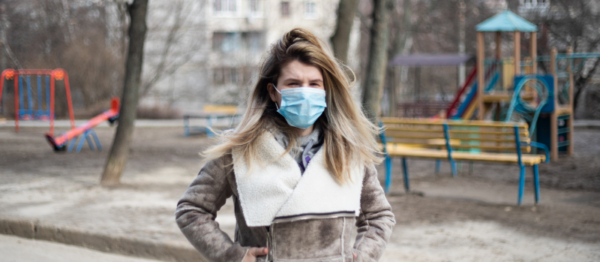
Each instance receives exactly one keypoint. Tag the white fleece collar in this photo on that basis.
(279, 190)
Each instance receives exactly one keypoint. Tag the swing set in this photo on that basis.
(45, 77)
(22, 79)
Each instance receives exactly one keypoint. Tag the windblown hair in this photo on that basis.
(349, 137)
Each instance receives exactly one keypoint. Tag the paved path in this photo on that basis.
(472, 217)
(25, 250)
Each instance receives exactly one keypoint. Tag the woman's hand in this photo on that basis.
(254, 252)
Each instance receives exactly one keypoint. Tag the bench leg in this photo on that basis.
(453, 164)
(186, 126)
(388, 174)
(209, 132)
(405, 173)
(536, 183)
(521, 184)
(437, 166)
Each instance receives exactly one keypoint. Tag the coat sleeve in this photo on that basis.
(376, 219)
(197, 209)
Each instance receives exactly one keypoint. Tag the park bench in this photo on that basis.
(210, 113)
(455, 140)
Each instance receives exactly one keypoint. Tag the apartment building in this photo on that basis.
(527, 7)
(230, 37)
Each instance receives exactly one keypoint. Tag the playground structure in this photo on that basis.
(529, 111)
(513, 90)
(21, 76)
(45, 112)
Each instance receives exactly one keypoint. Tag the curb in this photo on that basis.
(100, 242)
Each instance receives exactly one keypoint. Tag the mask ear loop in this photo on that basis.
(277, 106)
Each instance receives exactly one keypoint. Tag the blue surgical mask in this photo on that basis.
(301, 106)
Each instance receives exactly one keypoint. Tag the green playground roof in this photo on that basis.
(506, 21)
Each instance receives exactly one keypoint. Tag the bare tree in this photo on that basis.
(425, 26)
(7, 49)
(373, 84)
(175, 39)
(401, 42)
(78, 36)
(574, 23)
(340, 39)
(119, 151)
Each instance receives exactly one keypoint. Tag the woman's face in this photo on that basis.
(296, 74)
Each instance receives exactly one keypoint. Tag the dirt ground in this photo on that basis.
(473, 217)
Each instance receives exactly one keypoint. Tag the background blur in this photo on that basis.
(209, 51)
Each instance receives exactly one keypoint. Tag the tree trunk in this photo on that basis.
(581, 83)
(403, 34)
(373, 83)
(119, 151)
(341, 37)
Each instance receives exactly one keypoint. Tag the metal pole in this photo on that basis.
(3, 59)
(554, 115)
(461, 40)
(480, 75)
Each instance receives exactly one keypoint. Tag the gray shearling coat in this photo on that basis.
(320, 237)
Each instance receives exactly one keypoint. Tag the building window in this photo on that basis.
(225, 6)
(253, 41)
(225, 75)
(285, 8)
(310, 9)
(225, 42)
(534, 3)
(255, 7)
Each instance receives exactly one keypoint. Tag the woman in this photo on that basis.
(300, 169)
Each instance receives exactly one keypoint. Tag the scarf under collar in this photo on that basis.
(306, 146)
(277, 190)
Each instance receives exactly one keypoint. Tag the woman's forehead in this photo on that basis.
(298, 70)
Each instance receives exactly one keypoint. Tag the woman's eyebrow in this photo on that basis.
(291, 79)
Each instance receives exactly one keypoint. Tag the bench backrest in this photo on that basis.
(479, 136)
(225, 109)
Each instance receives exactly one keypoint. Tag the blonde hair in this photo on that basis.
(349, 137)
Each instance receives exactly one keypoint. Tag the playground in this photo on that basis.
(471, 217)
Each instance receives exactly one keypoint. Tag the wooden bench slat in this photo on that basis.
(455, 146)
(226, 109)
(524, 149)
(486, 139)
(523, 133)
(387, 120)
(465, 139)
(528, 160)
(455, 132)
(410, 136)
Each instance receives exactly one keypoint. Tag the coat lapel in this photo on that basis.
(277, 189)
(318, 193)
